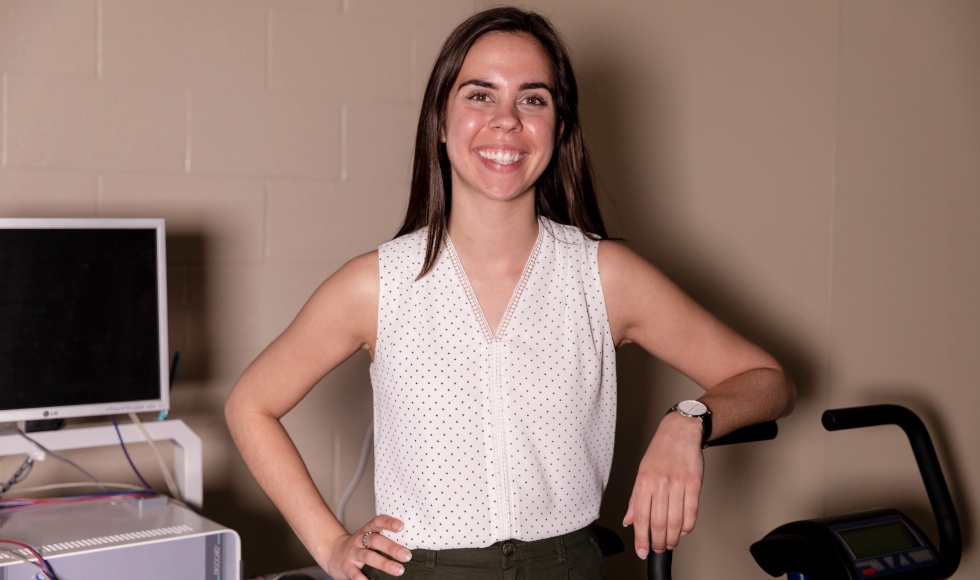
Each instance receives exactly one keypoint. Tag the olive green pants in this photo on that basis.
(574, 556)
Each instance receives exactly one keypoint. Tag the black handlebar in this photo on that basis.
(757, 432)
(658, 565)
(950, 541)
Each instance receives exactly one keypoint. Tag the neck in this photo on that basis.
(496, 233)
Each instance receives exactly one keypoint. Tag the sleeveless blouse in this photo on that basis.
(480, 437)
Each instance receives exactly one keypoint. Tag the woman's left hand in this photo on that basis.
(664, 503)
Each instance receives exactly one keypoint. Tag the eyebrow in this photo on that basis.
(489, 85)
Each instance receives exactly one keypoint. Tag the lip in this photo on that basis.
(501, 158)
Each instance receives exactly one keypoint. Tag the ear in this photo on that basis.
(559, 131)
(442, 132)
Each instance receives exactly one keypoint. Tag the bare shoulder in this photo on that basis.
(630, 285)
(339, 319)
(343, 309)
(352, 291)
(630, 276)
(360, 275)
(617, 258)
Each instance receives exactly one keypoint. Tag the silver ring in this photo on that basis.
(364, 540)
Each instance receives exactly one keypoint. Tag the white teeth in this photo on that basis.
(501, 157)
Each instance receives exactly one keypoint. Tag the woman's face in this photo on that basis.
(500, 127)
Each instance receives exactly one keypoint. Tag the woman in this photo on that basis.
(492, 322)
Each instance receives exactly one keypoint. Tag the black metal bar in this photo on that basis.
(950, 541)
(658, 565)
(757, 432)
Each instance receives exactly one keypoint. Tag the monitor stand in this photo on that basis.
(187, 460)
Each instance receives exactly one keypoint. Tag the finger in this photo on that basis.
(691, 504)
(641, 525)
(383, 522)
(376, 560)
(376, 541)
(354, 573)
(675, 517)
(657, 522)
(628, 518)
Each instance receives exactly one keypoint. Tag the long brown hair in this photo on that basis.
(565, 192)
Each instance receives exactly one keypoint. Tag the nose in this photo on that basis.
(506, 118)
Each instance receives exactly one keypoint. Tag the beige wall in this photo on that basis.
(810, 171)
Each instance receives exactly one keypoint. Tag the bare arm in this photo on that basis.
(744, 385)
(338, 320)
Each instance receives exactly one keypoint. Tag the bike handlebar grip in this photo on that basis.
(950, 541)
(658, 565)
(857, 417)
(758, 432)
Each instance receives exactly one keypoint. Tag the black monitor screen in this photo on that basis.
(78, 317)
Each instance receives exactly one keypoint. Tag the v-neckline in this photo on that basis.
(515, 296)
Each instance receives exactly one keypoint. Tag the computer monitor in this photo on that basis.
(83, 318)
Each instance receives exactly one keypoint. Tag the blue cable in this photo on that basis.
(131, 464)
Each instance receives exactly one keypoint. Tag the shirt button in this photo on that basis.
(508, 549)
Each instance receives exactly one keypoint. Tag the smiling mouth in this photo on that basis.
(502, 157)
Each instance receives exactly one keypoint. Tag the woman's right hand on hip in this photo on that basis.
(351, 552)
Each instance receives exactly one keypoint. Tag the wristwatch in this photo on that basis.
(697, 410)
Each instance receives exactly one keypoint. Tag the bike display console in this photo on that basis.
(870, 544)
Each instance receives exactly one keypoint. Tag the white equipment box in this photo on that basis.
(120, 539)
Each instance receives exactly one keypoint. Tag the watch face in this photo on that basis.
(692, 408)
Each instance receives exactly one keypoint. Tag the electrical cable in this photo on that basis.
(60, 458)
(118, 486)
(167, 476)
(23, 502)
(25, 560)
(52, 486)
(23, 475)
(361, 466)
(20, 475)
(126, 453)
(46, 569)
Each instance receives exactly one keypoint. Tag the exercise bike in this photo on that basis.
(864, 545)
(875, 543)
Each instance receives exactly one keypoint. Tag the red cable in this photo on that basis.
(40, 560)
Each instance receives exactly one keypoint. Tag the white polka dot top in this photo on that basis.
(482, 438)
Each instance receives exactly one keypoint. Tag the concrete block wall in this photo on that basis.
(807, 170)
(275, 137)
